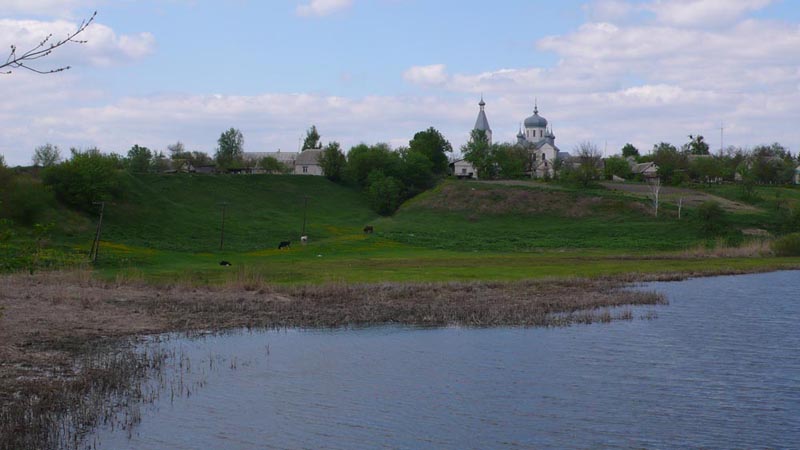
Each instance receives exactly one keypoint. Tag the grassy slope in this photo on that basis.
(766, 197)
(168, 229)
(473, 216)
(183, 212)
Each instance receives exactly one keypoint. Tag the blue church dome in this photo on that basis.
(536, 121)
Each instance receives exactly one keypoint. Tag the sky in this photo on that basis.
(153, 72)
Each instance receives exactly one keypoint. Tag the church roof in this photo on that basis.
(536, 121)
(482, 123)
(308, 157)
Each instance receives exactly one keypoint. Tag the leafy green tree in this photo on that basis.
(333, 162)
(86, 177)
(588, 168)
(432, 144)
(270, 164)
(2, 161)
(23, 198)
(312, 140)
(617, 166)
(363, 159)
(706, 170)
(160, 163)
(671, 163)
(230, 148)
(194, 158)
(771, 164)
(696, 146)
(630, 151)
(385, 193)
(416, 172)
(140, 159)
(774, 150)
(46, 155)
(512, 160)
(479, 153)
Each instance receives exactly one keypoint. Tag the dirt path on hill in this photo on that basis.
(691, 197)
(524, 183)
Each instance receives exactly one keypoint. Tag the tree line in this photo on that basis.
(692, 162)
(389, 176)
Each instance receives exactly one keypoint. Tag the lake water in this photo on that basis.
(719, 367)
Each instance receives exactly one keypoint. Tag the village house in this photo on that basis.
(648, 170)
(464, 169)
(797, 175)
(252, 159)
(178, 166)
(307, 163)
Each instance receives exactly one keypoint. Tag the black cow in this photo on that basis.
(224, 263)
(369, 229)
(284, 244)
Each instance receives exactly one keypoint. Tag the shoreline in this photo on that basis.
(53, 323)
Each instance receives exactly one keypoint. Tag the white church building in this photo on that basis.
(536, 136)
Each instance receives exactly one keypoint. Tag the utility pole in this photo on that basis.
(721, 135)
(96, 243)
(222, 230)
(305, 210)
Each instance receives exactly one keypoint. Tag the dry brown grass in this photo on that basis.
(51, 321)
(750, 249)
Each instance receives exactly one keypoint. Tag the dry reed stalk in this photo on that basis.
(750, 249)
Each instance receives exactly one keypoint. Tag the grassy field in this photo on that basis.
(184, 212)
(167, 229)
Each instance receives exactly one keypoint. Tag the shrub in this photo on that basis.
(789, 219)
(788, 245)
(25, 200)
(87, 177)
(712, 218)
(384, 193)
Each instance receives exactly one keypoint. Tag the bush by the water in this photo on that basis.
(788, 245)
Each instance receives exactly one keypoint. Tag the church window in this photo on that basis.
(305, 169)
(541, 133)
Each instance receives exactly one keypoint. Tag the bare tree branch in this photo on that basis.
(46, 46)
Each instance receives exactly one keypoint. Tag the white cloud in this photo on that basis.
(318, 8)
(435, 74)
(103, 46)
(609, 10)
(641, 82)
(32, 115)
(703, 12)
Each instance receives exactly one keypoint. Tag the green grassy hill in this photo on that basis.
(472, 216)
(184, 212)
(167, 228)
